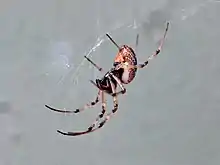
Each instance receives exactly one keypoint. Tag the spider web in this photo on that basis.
(65, 93)
(72, 76)
(76, 71)
(101, 39)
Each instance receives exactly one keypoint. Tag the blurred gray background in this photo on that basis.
(170, 113)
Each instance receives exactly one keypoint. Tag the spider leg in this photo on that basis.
(109, 115)
(119, 83)
(136, 43)
(98, 87)
(101, 114)
(156, 52)
(89, 105)
(94, 64)
(123, 89)
(91, 128)
(113, 41)
(75, 133)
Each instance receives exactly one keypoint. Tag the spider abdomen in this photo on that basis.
(128, 75)
(126, 55)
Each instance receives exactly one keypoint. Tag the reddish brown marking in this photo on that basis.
(119, 57)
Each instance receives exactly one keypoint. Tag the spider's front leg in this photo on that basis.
(89, 105)
(101, 114)
(109, 115)
(104, 104)
(92, 127)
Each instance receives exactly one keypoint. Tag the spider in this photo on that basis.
(123, 72)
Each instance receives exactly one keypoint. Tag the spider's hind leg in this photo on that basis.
(156, 52)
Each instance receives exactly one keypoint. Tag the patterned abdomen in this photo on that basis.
(127, 56)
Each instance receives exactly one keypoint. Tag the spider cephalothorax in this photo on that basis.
(104, 83)
(123, 72)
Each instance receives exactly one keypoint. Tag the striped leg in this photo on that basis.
(156, 52)
(101, 114)
(123, 89)
(92, 127)
(109, 115)
(89, 105)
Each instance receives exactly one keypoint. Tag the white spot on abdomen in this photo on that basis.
(125, 77)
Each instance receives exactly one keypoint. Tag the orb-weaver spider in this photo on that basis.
(123, 72)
